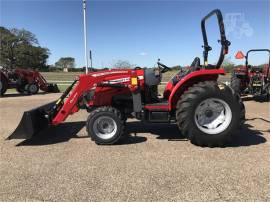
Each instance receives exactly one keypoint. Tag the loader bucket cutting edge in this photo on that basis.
(32, 122)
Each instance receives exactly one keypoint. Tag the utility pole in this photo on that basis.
(85, 37)
(91, 62)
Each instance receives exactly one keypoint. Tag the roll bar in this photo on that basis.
(259, 50)
(223, 41)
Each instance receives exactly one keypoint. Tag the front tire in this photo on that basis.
(105, 125)
(32, 88)
(208, 114)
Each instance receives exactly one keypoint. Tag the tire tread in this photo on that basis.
(185, 106)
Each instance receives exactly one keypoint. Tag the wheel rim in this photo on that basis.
(105, 127)
(213, 116)
(33, 88)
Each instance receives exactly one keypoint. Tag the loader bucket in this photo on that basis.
(32, 122)
(52, 88)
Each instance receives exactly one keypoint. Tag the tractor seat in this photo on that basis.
(195, 65)
(209, 66)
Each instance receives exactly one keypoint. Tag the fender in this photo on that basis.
(189, 80)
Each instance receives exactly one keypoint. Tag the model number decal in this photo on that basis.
(122, 80)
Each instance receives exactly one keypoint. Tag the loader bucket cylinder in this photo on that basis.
(32, 122)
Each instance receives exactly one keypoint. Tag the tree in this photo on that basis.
(31, 56)
(65, 62)
(228, 65)
(123, 64)
(7, 45)
(20, 48)
(25, 36)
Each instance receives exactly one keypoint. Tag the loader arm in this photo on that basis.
(40, 118)
(67, 104)
(44, 85)
(41, 81)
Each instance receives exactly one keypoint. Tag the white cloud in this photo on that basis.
(143, 54)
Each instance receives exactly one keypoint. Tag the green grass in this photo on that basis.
(62, 88)
(12, 90)
(60, 76)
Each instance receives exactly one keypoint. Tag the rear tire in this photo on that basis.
(236, 84)
(208, 114)
(21, 89)
(21, 86)
(105, 125)
(3, 86)
(268, 94)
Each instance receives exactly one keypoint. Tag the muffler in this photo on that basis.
(32, 122)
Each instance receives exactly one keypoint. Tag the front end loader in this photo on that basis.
(207, 112)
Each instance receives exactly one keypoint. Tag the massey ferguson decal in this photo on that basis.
(122, 80)
(107, 73)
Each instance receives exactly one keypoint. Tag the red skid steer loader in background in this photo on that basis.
(25, 82)
(207, 112)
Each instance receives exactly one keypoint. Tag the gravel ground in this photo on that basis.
(155, 164)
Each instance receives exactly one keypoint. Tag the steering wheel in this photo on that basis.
(163, 67)
(137, 68)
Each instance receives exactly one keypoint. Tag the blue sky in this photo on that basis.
(138, 31)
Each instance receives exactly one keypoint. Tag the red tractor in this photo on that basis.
(25, 81)
(207, 112)
(251, 80)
